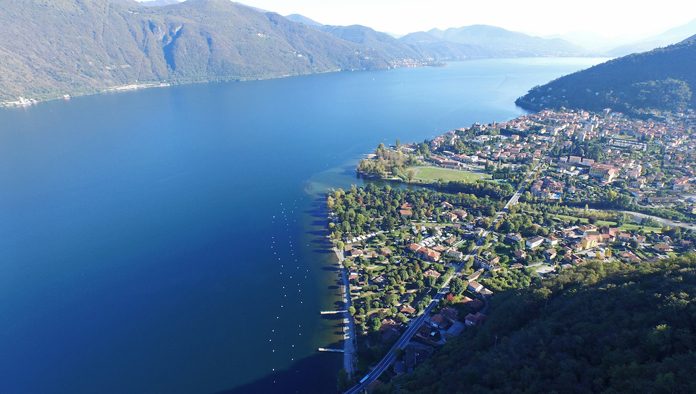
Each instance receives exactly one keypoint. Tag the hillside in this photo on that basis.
(659, 80)
(49, 48)
(159, 3)
(597, 328)
(297, 18)
(433, 47)
(372, 40)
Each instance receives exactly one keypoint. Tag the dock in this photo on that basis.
(333, 312)
(323, 349)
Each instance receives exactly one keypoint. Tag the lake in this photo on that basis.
(172, 240)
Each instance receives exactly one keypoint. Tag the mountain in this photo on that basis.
(410, 46)
(297, 18)
(669, 37)
(373, 40)
(507, 43)
(660, 80)
(432, 47)
(159, 3)
(49, 48)
(592, 42)
(603, 327)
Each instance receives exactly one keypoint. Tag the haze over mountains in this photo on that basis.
(461, 43)
(663, 79)
(669, 37)
(56, 47)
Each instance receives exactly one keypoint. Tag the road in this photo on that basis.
(662, 221)
(416, 323)
(405, 338)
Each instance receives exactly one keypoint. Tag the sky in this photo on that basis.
(627, 19)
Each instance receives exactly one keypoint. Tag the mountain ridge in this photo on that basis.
(666, 38)
(663, 79)
(49, 48)
(512, 43)
(92, 45)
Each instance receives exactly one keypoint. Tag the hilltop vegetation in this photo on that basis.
(660, 80)
(603, 327)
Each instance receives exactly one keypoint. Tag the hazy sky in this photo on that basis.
(610, 18)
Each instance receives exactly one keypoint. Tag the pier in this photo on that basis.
(323, 349)
(333, 312)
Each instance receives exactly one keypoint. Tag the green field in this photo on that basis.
(434, 174)
(625, 227)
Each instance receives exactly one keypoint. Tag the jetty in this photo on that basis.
(333, 312)
(328, 350)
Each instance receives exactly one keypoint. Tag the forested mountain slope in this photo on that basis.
(598, 328)
(660, 80)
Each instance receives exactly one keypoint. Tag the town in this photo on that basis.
(504, 206)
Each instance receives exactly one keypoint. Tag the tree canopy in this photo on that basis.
(603, 327)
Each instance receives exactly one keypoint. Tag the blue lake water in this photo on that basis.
(170, 240)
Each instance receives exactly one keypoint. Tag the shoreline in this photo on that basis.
(14, 103)
(24, 102)
(349, 337)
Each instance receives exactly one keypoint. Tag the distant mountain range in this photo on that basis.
(669, 37)
(506, 42)
(159, 3)
(51, 48)
(476, 41)
(660, 80)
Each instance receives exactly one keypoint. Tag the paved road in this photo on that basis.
(400, 344)
(416, 323)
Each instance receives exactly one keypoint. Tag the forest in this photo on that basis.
(601, 327)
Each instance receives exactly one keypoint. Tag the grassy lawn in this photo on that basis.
(631, 226)
(584, 220)
(434, 174)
